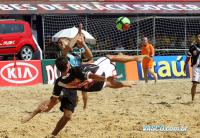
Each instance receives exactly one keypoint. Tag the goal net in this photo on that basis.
(169, 35)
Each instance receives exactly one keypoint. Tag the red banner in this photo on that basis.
(100, 7)
(21, 73)
(150, 0)
(42, 1)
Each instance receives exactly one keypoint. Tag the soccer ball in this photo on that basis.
(123, 23)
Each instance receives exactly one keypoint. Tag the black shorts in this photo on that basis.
(68, 100)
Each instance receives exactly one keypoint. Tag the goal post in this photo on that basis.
(170, 35)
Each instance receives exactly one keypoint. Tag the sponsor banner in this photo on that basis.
(21, 73)
(131, 70)
(121, 75)
(42, 7)
(49, 71)
(151, 0)
(167, 67)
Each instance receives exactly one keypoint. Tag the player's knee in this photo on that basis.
(67, 115)
(110, 56)
(194, 84)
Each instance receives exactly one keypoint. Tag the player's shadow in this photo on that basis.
(187, 103)
(165, 104)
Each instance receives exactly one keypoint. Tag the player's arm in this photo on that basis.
(186, 62)
(64, 85)
(189, 54)
(74, 40)
(88, 53)
(89, 76)
(152, 53)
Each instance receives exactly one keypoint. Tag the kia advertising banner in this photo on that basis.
(21, 73)
(167, 67)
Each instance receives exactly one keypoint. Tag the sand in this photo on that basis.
(110, 113)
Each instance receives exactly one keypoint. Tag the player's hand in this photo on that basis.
(81, 41)
(80, 28)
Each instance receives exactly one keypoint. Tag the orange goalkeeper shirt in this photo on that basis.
(149, 51)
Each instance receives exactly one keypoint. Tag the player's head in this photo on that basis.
(62, 64)
(198, 38)
(63, 44)
(145, 40)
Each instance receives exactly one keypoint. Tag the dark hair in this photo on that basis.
(61, 63)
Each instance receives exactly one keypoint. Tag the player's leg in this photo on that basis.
(145, 71)
(68, 105)
(125, 58)
(85, 99)
(63, 121)
(116, 84)
(149, 65)
(193, 89)
(36, 111)
(153, 74)
(195, 80)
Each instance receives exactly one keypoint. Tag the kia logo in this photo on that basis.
(23, 73)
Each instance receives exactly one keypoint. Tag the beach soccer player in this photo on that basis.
(194, 54)
(86, 77)
(147, 63)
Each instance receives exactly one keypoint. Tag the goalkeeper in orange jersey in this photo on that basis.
(147, 63)
(146, 58)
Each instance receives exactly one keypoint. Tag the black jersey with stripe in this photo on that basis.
(79, 73)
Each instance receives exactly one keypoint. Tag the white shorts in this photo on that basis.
(195, 74)
(106, 66)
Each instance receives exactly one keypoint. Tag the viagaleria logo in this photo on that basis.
(20, 74)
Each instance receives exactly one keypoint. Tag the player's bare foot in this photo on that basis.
(127, 84)
(134, 83)
(26, 119)
(51, 136)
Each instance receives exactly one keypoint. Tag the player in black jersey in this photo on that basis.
(194, 54)
(86, 77)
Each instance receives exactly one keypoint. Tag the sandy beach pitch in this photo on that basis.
(120, 113)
